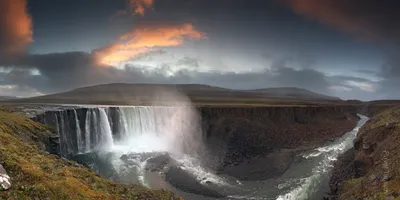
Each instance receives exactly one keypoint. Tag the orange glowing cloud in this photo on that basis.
(326, 11)
(15, 27)
(144, 39)
(140, 6)
(366, 19)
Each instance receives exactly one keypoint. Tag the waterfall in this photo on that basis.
(105, 139)
(87, 130)
(79, 140)
(134, 129)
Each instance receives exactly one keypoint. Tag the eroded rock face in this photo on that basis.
(343, 170)
(241, 137)
(5, 181)
(370, 169)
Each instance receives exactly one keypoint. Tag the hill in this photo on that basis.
(141, 94)
(295, 93)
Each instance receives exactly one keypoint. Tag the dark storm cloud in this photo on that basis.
(373, 20)
(65, 71)
(367, 18)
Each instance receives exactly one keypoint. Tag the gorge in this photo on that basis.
(283, 150)
(222, 152)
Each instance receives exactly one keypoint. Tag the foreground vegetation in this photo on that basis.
(35, 174)
(377, 172)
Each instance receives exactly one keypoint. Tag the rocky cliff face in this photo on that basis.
(371, 169)
(265, 139)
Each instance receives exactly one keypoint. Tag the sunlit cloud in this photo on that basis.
(362, 85)
(15, 27)
(145, 39)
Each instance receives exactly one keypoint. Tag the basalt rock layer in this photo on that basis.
(241, 137)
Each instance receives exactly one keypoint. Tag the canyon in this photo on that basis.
(204, 150)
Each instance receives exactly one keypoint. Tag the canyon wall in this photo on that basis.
(260, 143)
(371, 169)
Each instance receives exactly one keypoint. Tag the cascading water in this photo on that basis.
(87, 130)
(79, 141)
(139, 132)
(104, 139)
(134, 129)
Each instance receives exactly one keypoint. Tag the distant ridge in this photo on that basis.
(6, 98)
(132, 94)
(293, 92)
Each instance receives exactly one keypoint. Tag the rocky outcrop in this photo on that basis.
(5, 181)
(185, 181)
(371, 169)
(343, 170)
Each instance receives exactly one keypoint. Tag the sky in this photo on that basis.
(345, 48)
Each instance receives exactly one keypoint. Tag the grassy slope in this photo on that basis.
(36, 174)
(382, 178)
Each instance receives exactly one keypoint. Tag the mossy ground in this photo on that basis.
(35, 174)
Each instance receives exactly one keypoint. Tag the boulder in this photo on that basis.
(186, 182)
(158, 162)
(5, 181)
